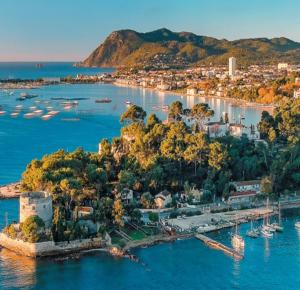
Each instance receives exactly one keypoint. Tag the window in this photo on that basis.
(44, 206)
(33, 207)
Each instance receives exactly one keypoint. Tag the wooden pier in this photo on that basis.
(219, 246)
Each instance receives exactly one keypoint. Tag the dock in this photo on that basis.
(219, 246)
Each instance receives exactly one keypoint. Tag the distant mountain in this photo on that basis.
(164, 48)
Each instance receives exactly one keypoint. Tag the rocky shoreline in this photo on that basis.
(11, 190)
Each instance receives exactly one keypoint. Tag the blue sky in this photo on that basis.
(70, 29)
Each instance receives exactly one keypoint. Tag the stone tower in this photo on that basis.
(36, 203)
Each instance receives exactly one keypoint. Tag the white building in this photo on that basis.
(232, 66)
(297, 94)
(282, 66)
(244, 191)
(216, 129)
(191, 91)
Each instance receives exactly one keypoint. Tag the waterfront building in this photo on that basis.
(192, 91)
(232, 66)
(244, 191)
(36, 203)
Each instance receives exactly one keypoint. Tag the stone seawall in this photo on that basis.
(49, 248)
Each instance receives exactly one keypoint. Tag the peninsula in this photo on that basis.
(185, 167)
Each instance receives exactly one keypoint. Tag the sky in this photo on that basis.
(69, 30)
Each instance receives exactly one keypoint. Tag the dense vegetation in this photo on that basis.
(151, 156)
(270, 93)
(166, 48)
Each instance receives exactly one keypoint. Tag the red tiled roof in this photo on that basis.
(241, 193)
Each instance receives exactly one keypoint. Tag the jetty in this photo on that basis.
(219, 246)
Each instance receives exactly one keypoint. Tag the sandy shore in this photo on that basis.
(11, 190)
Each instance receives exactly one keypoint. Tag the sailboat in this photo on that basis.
(266, 226)
(237, 240)
(266, 231)
(277, 226)
(252, 233)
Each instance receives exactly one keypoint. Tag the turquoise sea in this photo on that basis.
(22, 139)
(185, 264)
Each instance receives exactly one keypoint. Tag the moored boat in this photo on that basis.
(14, 114)
(297, 225)
(252, 233)
(104, 100)
(237, 241)
(266, 233)
(29, 115)
(46, 117)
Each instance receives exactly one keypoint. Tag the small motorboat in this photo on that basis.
(104, 100)
(46, 117)
(297, 225)
(266, 233)
(237, 241)
(269, 228)
(29, 115)
(277, 227)
(2, 113)
(14, 114)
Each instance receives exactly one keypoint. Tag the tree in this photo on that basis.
(32, 227)
(105, 146)
(218, 155)
(153, 217)
(272, 135)
(146, 200)
(134, 114)
(197, 149)
(152, 121)
(201, 112)
(118, 212)
(175, 111)
(267, 185)
(266, 123)
(136, 215)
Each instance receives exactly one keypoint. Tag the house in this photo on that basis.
(163, 199)
(215, 129)
(127, 196)
(238, 130)
(244, 191)
(250, 185)
(82, 211)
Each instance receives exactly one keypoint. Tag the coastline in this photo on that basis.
(238, 102)
(10, 191)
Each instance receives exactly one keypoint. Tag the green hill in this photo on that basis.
(164, 48)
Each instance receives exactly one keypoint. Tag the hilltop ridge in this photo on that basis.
(164, 48)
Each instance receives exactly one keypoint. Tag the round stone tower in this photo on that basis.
(36, 203)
